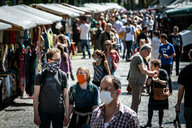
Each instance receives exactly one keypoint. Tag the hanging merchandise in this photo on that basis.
(12, 37)
(1, 36)
(46, 41)
(30, 69)
(17, 36)
(22, 72)
(6, 37)
(50, 37)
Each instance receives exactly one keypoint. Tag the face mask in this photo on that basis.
(53, 67)
(96, 59)
(81, 79)
(105, 97)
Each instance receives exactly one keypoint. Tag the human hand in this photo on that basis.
(72, 76)
(178, 108)
(66, 121)
(37, 119)
(165, 56)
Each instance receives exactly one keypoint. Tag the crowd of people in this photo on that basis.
(150, 53)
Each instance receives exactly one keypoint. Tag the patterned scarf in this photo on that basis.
(53, 67)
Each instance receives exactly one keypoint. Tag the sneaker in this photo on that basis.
(83, 58)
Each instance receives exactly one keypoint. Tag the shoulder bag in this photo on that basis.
(160, 93)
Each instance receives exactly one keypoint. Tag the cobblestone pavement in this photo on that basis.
(20, 113)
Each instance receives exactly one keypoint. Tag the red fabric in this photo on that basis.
(115, 58)
(36, 37)
(72, 48)
(12, 37)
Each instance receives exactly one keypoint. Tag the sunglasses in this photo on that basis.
(107, 44)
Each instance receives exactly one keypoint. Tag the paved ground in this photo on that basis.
(20, 113)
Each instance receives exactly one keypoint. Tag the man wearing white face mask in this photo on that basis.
(112, 113)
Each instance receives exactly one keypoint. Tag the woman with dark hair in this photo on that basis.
(101, 67)
(84, 97)
(158, 81)
(111, 55)
(63, 40)
(65, 62)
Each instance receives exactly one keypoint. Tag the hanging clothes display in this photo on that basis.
(1, 36)
(50, 37)
(22, 73)
(30, 70)
(46, 41)
(12, 37)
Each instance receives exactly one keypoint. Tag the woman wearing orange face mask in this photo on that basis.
(83, 100)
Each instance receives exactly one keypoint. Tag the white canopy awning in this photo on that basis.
(15, 20)
(103, 6)
(58, 11)
(4, 26)
(77, 8)
(28, 16)
(68, 8)
(38, 12)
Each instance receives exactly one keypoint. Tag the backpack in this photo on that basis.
(75, 88)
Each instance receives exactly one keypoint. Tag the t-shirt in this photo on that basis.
(185, 80)
(166, 49)
(176, 40)
(135, 76)
(118, 25)
(130, 30)
(51, 91)
(84, 31)
(84, 99)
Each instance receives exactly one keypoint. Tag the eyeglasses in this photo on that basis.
(56, 60)
(107, 44)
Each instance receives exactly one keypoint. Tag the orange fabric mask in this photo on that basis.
(81, 79)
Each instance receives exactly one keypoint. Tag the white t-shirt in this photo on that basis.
(130, 30)
(150, 24)
(84, 31)
(118, 25)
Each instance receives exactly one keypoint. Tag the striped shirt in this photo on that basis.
(98, 72)
(124, 118)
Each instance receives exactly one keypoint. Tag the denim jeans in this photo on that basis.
(188, 116)
(85, 43)
(55, 118)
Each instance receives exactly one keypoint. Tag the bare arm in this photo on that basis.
(162, 82)
(145, 71)
(66, 100)
(107, 67)
(180, 97)
(70, 109)
(37, 120)
(36, 99)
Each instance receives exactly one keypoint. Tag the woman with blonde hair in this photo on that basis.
(84, 97)
(111, 55)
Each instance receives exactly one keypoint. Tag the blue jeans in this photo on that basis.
(56, 118)
(188, 116)
(85, 43)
